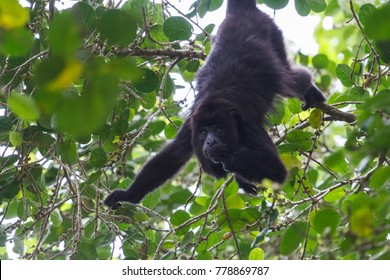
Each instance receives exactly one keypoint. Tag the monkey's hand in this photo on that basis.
(223, 156)
(114, 199)
(312, 97)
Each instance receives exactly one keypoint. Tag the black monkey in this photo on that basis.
(236, 86)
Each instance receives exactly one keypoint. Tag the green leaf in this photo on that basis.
(380, 139)
(193, 65)
(68, 152)
(8, 160)
(318, 6)
(150, 100)
(9, 189)
(276, 4)
(16, 42)
(145, 80)
(383, 49)
(365, 12)
(98, 158)
(337, 162)
(294, 105)
(380, 101)
(64, 34)
(81, 115)
(136, 9)
(157, 33)
(23, 106)
(302, 7)
(204, 255)
(325, 218)
(152, 199)
(85, 16)
(377, 24)
(15, 138)
(177, 28)
(380, 177)
(320, 61)
(117, 27)
(179, 217)
(56, 217)
(273, 216)
(120, 127)
(5, 124)
(344, 74)
(256, 254)
(204, 6)
(296, 146)
(181, 196)
(260, 237)
(170, 131)
(215, 5)
(18, 245)
(157, 127)
(296, 136)
(292, 238)
(85, 251)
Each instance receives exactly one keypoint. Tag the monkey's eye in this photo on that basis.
(218, 131)
(203, 133)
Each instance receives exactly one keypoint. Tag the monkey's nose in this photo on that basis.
(210, 142)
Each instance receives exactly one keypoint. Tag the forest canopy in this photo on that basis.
(89, 93)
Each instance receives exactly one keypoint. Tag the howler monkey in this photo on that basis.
(245, 70)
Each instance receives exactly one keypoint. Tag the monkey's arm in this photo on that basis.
(159, 169)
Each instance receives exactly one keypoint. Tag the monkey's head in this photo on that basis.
(215, 128)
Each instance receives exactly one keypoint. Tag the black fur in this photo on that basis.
(246, 69)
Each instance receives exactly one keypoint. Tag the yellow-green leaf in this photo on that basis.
(256, 254)
(23, 106)
(69, 73)
(334, 195)
(290, 161)
(361, 222)
(315, 118)
(12, 14)
(234, 202)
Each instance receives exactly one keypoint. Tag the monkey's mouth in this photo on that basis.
(216, 154)
(207, 155)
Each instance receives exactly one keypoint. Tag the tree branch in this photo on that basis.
(335, 113)
(188, 53)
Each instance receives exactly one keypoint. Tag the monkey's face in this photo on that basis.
(214, 138)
